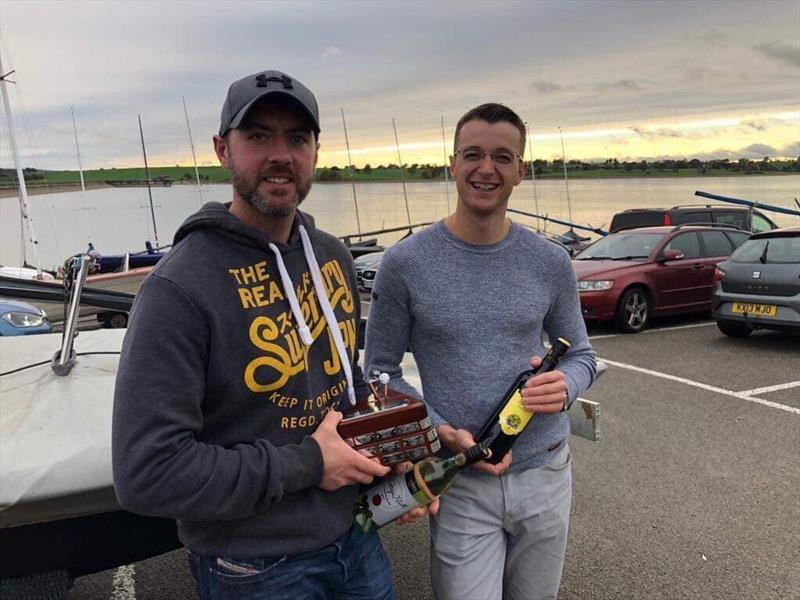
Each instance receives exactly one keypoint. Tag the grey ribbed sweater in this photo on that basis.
(473, 316)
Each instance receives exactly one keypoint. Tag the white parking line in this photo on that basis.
(656, 330)
(771, 388)
(704, 386)
(124, 583)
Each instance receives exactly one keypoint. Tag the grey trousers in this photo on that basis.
(503, 537)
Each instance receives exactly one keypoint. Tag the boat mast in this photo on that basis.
(194, 157)
(533, 179)
(80, 170)
(352, 174)
(402, 173)
(23, 189)
(147, 178)
(446, 168)
(566, 179)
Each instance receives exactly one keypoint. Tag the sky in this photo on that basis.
(627, 80)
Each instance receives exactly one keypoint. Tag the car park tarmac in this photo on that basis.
(691, 492)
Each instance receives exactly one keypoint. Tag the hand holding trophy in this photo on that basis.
(388, 425)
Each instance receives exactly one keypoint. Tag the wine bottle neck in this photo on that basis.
(476, 453)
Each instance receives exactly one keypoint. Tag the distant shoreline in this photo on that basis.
(57, 188)
(53, 188)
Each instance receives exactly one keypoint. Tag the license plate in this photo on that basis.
(756, 310)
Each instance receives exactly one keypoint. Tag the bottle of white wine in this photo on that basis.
(430, 478)
(510, 417)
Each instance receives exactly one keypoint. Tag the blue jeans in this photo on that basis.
(354, 567)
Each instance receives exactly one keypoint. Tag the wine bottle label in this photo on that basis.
(513, 418)
(393, 498)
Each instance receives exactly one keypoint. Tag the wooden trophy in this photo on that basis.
(389, 425)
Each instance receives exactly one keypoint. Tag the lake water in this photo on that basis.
(119, 219)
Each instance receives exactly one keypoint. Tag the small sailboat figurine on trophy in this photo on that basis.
(391, 426)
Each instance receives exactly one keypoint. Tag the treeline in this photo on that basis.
(555, 168)
(742, 165)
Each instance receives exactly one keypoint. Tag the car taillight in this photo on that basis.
(667, 219)
(719, 274)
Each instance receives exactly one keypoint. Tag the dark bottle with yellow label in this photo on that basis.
(510, 417)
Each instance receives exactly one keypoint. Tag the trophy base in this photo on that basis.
(394, 428)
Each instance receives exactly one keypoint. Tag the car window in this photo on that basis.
(715, 243)
(622, 245)
(769, 250)
(783, 250)
(737, 218)
(687, 243)
(695, 216)
(749, 252)
(737, 237)
(633, 220)
(760, 223)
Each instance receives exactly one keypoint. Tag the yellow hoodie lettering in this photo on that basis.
(276, 336)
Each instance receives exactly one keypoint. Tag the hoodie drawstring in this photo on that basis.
(288, 287)
(325, 305)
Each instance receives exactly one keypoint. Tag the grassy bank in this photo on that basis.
(209, 175)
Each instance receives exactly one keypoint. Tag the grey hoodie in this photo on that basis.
(217, 393)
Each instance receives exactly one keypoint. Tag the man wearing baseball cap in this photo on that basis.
(240, 353)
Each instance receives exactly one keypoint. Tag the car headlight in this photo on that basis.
(595, 286)
(23, 319)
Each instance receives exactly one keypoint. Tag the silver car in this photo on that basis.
(366, 269)
(759, 286)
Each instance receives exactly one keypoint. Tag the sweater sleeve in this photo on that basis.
(160, 465)
(389, 329)
(564, 320)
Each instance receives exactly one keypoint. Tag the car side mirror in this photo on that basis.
(671, 255)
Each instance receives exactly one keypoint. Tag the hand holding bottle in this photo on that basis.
(545, 392)
(511, 415)
(415, 514)
(430, 478)
(460, 440)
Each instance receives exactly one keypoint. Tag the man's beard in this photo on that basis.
(247, 190)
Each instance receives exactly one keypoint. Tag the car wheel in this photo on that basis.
(734, 328)
(117, 321)
(633, 311)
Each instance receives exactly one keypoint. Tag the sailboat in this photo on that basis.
(58, 510)
(128, 280)
(123, 263)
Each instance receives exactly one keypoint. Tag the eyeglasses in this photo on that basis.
(502, 157)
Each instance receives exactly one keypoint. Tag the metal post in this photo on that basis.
(64, 359)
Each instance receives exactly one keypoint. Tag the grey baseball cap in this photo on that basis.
(243, 94)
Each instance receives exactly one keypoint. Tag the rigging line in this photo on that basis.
(533, 180)
(53, 229)
(352, 173)
(147, 179)
(446, 182)
(194, 156)
(47, 362)
(23, 190)
(566, 179)
(80, 170)
(402, 173)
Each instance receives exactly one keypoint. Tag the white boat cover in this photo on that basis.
(55, 432)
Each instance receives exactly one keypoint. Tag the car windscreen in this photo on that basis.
(622, 246)
(776, 250)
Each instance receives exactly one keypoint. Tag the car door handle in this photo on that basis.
(697, 266)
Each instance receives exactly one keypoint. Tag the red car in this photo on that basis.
(630, 276)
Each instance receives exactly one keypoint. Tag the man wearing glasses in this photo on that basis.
(471, 296)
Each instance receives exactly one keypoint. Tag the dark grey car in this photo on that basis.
(759, 286)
